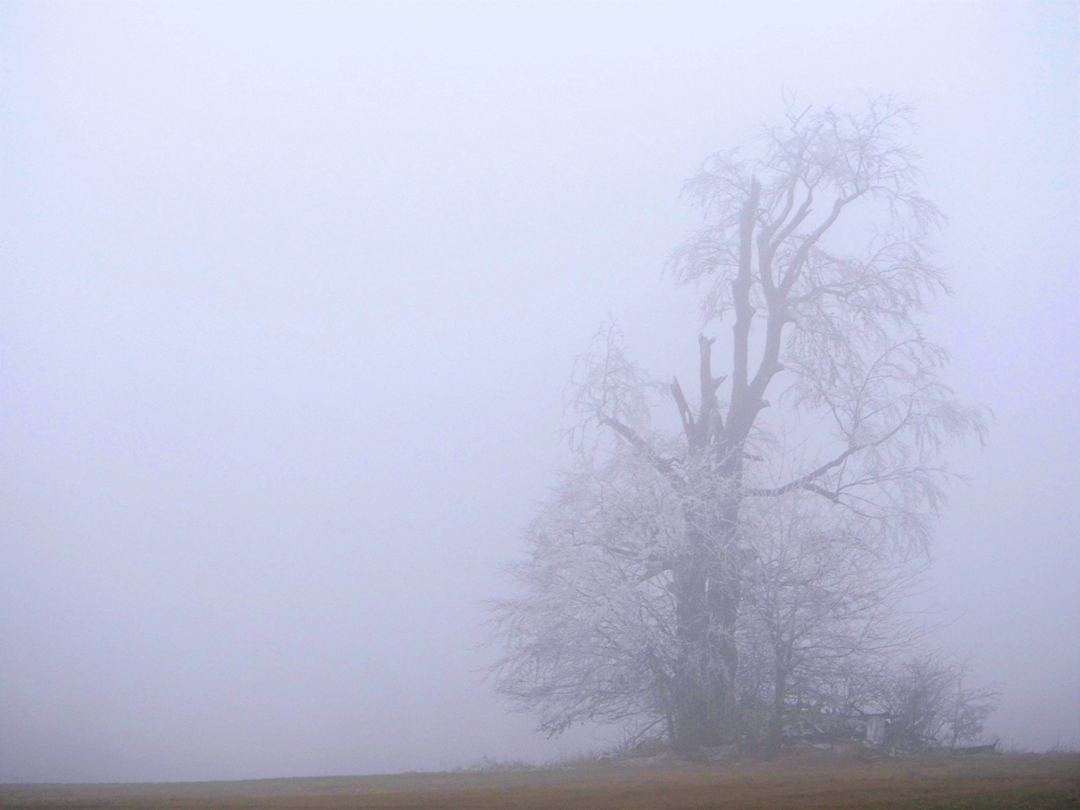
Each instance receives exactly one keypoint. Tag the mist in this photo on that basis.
(290, 295)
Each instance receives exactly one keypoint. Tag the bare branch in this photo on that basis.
(659, 462)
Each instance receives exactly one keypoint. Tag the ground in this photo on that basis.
(807, 779)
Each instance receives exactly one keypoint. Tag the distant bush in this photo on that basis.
(488, 765)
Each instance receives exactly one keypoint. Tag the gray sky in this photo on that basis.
(289, 296)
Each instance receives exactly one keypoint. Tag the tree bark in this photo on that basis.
(776, 720)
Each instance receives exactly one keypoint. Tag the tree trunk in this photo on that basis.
(704, 694)
(708, 577)
(707, 593)
(776, 721)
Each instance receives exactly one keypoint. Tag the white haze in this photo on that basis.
(289, 296)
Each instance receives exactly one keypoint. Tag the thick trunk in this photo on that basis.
(707, 592)
(776, 721)
(704, 692)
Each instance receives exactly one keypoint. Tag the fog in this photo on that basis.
(289, 296)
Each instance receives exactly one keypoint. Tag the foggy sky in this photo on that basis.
(289, 296)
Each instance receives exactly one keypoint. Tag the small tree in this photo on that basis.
(820, 601)
(932, 704)
(632, 591)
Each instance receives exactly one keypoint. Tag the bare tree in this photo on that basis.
(820, 602)
(932, 703)
(813, 246)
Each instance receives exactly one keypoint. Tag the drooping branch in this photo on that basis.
(655, 569)
(660, 463)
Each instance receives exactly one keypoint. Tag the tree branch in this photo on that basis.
(797, 261)
(685, 413)
(662, 464)
(740, 288)
(710, 408)
(742, 412)
(804, 482)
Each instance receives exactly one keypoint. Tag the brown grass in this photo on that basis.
(797, 781)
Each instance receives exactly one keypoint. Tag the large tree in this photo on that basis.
(632, 594)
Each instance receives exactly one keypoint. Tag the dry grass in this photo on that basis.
(804, 780)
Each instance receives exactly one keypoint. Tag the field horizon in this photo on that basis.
(798, 779)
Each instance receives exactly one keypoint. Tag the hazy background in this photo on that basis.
(289, 296)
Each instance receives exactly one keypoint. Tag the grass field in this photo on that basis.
(806, 780)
